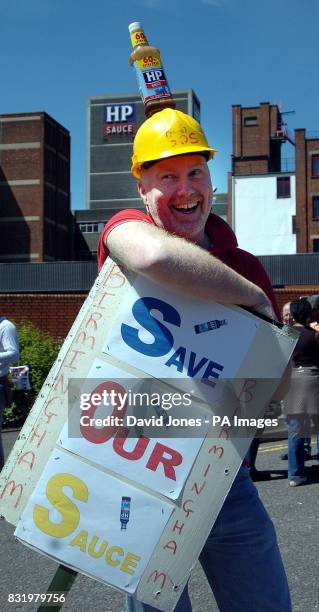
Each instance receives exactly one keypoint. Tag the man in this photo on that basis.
(9, 352)
(287, 317)
(289, 320)
(180, 245)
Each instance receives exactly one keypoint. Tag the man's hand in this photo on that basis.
(265, 308)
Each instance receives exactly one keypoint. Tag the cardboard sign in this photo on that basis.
(226, 359)
(88, 520)
(40, 432)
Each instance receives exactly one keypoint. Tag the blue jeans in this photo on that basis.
(2, 407)
(298, 430)
(241, 558)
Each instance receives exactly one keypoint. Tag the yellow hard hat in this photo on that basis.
(167, 133)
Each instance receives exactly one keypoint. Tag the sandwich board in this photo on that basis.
(127, 492)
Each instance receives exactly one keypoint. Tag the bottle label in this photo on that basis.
(138, 38)
(152, 83)
(149, 61)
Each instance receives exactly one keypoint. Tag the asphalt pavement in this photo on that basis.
(294, 511)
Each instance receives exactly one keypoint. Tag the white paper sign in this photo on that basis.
(92, 522)
(154, 460)
(170, 338)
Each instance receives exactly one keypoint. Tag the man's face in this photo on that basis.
(177, 193)
(286, 315)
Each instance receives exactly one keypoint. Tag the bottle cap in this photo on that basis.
(134, 26)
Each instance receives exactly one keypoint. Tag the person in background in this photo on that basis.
(302, 401)
(314, 318)
(314, 324)
(9, 353)
(251, 456)
(289, 320)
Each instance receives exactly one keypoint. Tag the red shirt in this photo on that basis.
(224, 248)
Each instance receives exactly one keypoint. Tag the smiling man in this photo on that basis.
(179, 244)
(178, 197)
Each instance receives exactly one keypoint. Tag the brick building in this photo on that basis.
(273, 202)
(307, 191)
(35, 219)
(256, 145)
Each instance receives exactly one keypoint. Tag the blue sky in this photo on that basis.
(54, 54)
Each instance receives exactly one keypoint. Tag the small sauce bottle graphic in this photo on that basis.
(152, 83)
(125, 512)
(215, 324)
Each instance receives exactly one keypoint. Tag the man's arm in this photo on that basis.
(182, 266)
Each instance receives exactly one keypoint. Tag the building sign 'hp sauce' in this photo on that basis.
(119, 119)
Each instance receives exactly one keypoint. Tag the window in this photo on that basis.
(315, 207)
(283, 187)
(90, 228)
(315, 165)
(252, 120)
(316, 245)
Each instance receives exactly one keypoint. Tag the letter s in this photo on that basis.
(163, 339)
(68, 510)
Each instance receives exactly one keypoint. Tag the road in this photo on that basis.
(295, 512)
